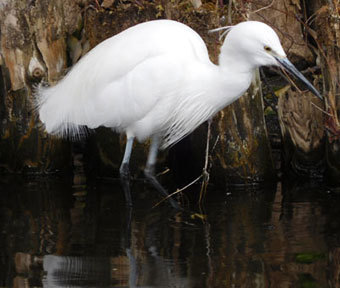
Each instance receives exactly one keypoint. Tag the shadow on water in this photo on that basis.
(58, 234)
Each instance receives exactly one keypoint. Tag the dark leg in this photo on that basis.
(125, 172)
(150, 172)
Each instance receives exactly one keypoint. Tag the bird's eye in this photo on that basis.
(267, 48)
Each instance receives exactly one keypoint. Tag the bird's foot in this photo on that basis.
(150, 175)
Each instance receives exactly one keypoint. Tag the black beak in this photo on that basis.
(289, 67)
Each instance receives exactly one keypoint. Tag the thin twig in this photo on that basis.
(163, 172)
(263, 8)
(205, 172)
(229, 11)
(205, 182)
(207, 146)
(216, 141)
(323, 111)
(178, 190)
(291, 81)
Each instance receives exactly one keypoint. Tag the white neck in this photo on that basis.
(228, 84)
(234, 61)
(215, 88)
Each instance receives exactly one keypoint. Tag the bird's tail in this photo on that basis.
(54, 112)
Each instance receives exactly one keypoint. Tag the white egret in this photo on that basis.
(155, 80)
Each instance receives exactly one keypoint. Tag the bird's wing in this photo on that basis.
(121, 79)
(155, 81)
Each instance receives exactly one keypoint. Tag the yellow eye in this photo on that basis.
(267, 48)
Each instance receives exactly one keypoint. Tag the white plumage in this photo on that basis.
(134, 82)
(156, 80)
(155, 77)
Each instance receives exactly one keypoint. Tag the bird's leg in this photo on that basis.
(125, 171)
(150, 171)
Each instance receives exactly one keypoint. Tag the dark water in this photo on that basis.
(55, 234)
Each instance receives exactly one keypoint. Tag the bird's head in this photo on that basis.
(257, 44)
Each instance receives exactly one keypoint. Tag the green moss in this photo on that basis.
(308, 258)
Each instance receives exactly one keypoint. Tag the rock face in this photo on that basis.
(33, 48)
